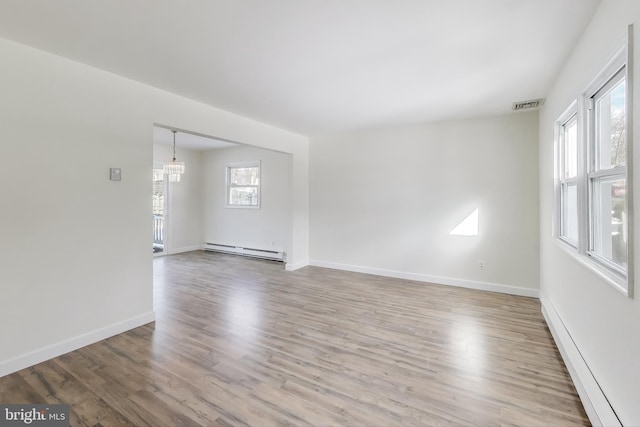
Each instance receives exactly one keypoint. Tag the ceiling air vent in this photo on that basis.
(527, 105)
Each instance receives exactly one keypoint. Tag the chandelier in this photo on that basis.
(173, 168)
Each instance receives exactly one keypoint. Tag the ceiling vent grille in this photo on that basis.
(527, 105)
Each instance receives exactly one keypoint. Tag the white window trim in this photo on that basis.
(228, 186)
(564, 118)
(611, 274)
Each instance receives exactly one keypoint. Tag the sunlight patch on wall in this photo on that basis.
(468, 226)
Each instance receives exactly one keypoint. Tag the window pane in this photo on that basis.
(570, 212)
(243, 196)
(570, 138)
(244, 176)
(610, 126)
(158, 191)
(610, 219)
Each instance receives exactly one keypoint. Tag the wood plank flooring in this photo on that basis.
(240, 341)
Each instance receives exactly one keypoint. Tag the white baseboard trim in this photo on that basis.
(185, 249)
(294, 267)
(43, 354)
(462, 283)
(593, 399)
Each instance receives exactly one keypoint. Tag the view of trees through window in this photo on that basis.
(243, 185)
(609, 188)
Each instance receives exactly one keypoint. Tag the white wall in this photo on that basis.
(184, 221)
(384, 201)
(75, 259)
(603, 323)
(266, 228)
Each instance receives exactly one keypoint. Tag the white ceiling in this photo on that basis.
(318, 66)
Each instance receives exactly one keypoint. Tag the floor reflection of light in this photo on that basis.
(243, 314)
(470, 351)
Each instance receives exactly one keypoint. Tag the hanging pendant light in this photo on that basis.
(173, 168)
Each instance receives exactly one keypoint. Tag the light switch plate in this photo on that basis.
(115, 174)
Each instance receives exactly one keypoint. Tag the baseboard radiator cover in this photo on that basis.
(594, 401)
(250, 252)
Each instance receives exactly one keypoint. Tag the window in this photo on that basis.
(593, 197)
(607, 174)
(568, 175)
(243, 185)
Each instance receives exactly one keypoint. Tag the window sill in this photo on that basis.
(620, 283)
(241, 207)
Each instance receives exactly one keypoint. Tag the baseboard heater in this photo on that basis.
(251, 252)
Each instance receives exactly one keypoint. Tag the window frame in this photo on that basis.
(606, 80)
(562, 182)
(589, 173)
(229, 185)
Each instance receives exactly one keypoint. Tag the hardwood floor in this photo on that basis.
(239, 341)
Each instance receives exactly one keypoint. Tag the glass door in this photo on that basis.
(159, 211)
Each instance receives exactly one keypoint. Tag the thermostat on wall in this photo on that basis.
(115, 174)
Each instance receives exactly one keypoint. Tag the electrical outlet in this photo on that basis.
(481, 264)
